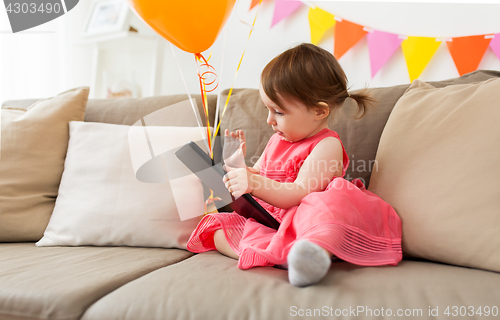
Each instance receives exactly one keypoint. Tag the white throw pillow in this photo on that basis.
(102, 203)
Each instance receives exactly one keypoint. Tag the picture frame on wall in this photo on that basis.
(106, 17)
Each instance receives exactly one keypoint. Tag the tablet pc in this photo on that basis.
(196, 160)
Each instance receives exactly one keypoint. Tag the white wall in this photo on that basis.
(42, 61)
(53, 63)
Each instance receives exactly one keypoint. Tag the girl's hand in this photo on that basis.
(238, 181)
(234, 149)
(252, 170)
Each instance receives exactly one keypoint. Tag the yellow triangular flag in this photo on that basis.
(319, 21)
(418, 52)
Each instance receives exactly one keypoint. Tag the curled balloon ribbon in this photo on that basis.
(210, 206)
(209, 72)
(207, 77)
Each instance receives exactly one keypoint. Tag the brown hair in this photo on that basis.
(310, 75)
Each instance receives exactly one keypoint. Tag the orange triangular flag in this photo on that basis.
(347, 34)
(467, 52)
(254, 3)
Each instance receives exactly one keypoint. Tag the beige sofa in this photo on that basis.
(91, 282)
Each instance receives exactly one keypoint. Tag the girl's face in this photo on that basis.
(297, 122)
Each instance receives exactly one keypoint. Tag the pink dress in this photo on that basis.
(346, 219)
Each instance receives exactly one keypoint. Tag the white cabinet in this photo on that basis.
(135, 57)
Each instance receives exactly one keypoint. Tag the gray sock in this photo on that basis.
(308, 263)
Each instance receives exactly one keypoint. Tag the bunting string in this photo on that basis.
(467, 52)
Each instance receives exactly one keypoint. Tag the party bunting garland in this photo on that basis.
(347, 34)
(382, 45)
(467, 52)
(495, 44)
(320, 22)
(418, 51)
(284, 8)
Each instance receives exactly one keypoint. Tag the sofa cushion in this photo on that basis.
(246, 111)
(361, 137)
(18, 104)
(438, 168)
(104, 201)
(210, 286)
(33, 147)
(129, 110)
(61, 282)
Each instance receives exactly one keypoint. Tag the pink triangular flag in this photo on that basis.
(495, 44)
(381, 46)
(284, 8)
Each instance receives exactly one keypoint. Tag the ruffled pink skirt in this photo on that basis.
(346, 219)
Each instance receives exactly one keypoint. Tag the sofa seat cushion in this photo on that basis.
(61, 282)
(210, 286)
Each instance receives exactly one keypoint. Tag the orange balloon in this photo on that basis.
(191, 25)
